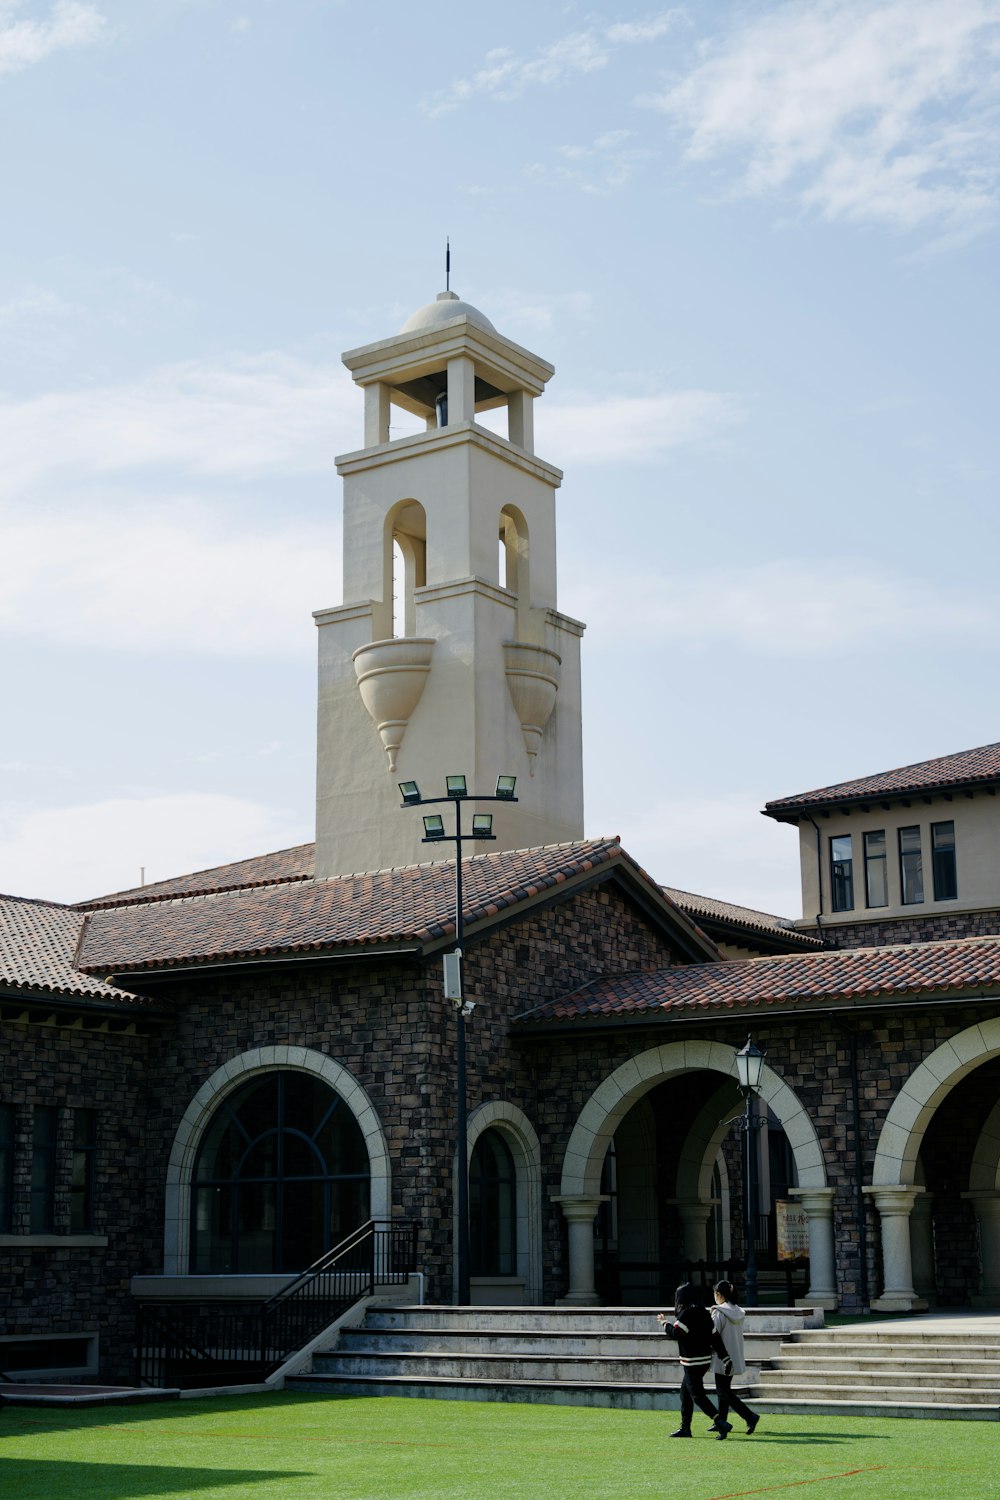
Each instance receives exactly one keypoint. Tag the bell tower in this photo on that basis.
(448, 655)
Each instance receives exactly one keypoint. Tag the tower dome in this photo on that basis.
(447, 305)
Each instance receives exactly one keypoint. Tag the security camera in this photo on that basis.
(468, 1006)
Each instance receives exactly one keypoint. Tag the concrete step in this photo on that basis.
(646, 1397)
(880, 1379)
(960, 1396)
(573, 1319)
(905, 1338)
(548, 1367)
(604, 1343)
(923, 1354)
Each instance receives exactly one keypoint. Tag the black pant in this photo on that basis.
(728, 1402)
(693, 1394)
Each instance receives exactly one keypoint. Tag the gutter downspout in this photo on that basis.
(819, 872)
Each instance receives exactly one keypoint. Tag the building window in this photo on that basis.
(943, 860)
(81, 1188)
(911, 865)
(492, 1207)
(876, 881)
(6, 1168)
(842, 872)
(43, 1169)
(281, 1177)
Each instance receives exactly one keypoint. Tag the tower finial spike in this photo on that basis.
(447, 263)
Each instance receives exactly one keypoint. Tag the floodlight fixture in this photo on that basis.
(482, 825)
(410, 793)
(455, 786)
(433, 826)
(505, 788)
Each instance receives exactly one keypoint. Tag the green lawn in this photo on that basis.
(303, 1447)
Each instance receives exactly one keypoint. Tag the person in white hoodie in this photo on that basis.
(727, 1317)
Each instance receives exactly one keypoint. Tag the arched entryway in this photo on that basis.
(601, 1117)
(327, 1123)
(510, 1247)
(938, 1162)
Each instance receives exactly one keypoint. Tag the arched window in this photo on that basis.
(492, 1207)
(282, 1175)
(404, 567)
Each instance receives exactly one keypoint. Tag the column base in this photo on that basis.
(579, 1299)
(899, 1304)
(827, 1304)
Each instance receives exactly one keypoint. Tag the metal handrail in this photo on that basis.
(217, 1343)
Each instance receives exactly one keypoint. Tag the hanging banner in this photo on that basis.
(793, 1230)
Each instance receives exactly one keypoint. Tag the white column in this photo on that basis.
(377, 406)
(579, 1213)
(461, 390)
(694, 1214)
(521, 420)
(894, 1205)
(817, 1203)
(987, 1207)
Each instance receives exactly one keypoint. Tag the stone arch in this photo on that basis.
(525, 1147)
(180, 1167)
(984, 1174)
(514, 541)
(404, 566)
(612, 1099)
(913, 1108)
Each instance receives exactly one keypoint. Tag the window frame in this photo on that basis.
(841, 885)
(872, 860)
(84, 1156)
(904, 855)
(44, 1163)
(946, 858)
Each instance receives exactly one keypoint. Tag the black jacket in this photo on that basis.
(695, 1336)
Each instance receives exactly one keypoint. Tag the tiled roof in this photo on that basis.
(792, 981)
(707, 909)
(410, 905)
(298, 863)
(38, 942)
(966, 768)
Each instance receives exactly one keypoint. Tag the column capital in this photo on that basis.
(579, 1206)
(817, 1202)
(894, 1198)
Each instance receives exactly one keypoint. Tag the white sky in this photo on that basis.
(759, 244)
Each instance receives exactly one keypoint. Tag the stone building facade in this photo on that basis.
(207, 1082)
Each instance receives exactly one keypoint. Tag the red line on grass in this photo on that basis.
(769, 1489)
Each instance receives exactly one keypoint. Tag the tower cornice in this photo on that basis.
(436, 439)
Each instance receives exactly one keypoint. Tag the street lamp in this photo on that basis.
(749, 1063)
(434, 833)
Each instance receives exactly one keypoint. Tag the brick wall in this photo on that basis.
(932, 927)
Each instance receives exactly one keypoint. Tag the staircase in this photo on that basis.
(914, 1371)
(614, 1357)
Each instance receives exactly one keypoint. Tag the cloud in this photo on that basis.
(708, 845)
(632, 429)
(505, 75)
(73, 853)
(168, 577)
(787, 608)
(24, 43)
(603, 164)
(247, 416)
(883, 112)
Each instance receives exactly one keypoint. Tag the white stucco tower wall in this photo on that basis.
(482, 676)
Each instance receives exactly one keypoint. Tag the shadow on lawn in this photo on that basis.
(41, 1479)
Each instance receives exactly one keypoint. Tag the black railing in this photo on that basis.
(225, 1344)
(638, 1282)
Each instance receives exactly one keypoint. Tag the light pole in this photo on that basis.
(749, 1062)
(434, 833)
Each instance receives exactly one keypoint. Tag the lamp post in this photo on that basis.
(435, 833)
(749, 1062)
